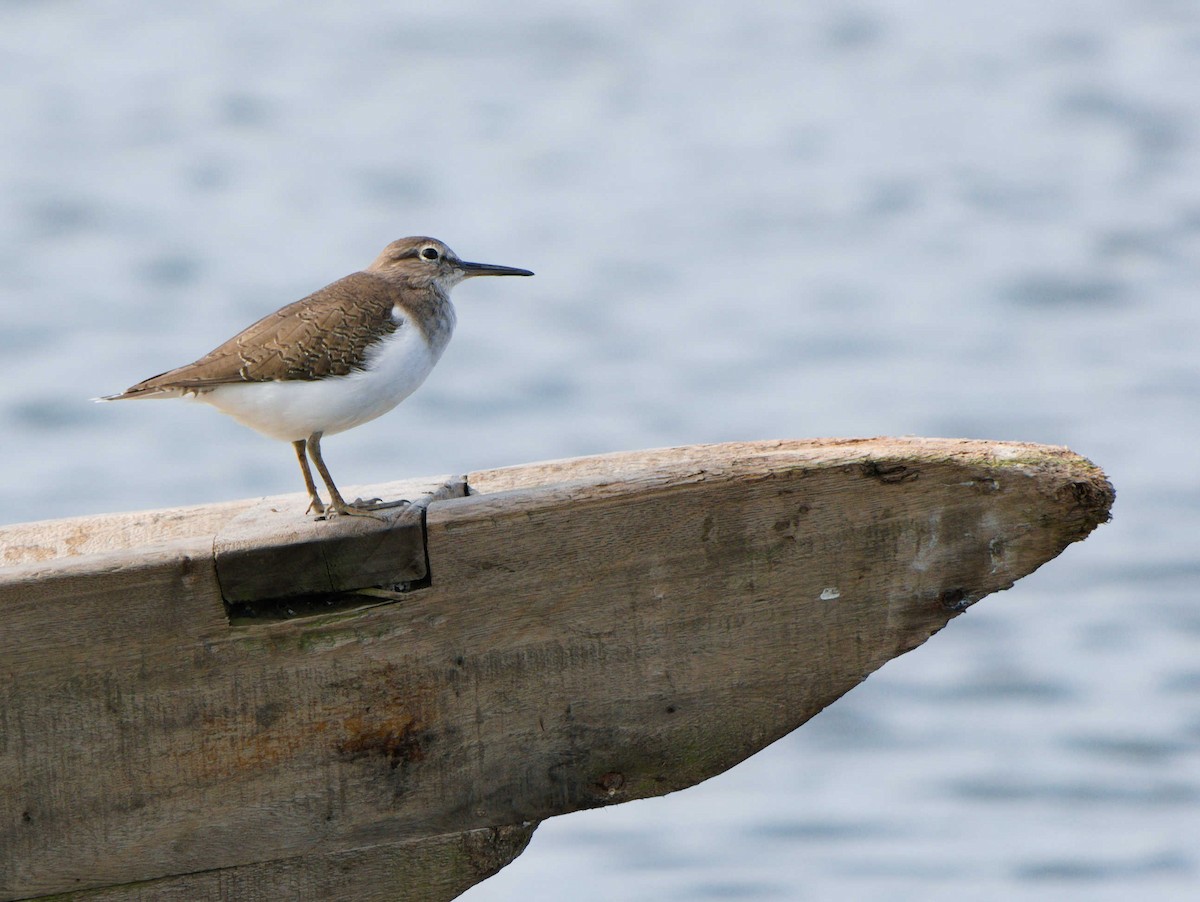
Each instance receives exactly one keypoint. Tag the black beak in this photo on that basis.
(490, 269)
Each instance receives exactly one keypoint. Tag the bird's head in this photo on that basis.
(427, 261)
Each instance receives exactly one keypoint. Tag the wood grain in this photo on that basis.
(440, 867)
(53, 540)
(596, 630)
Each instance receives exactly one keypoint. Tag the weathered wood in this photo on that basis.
(440, 867)
(595, 630)
(267, 551)
(46, 540)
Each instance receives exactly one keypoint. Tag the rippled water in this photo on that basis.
(748, 220)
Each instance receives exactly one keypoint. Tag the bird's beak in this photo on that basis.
(470, 270)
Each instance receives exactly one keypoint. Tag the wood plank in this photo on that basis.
(596, 630)
(47, 540)
(266, 551)
(107, 611)
(706, 603)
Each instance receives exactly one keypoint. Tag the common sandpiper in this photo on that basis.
(334, 360)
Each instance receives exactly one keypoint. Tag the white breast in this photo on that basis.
(294, 410)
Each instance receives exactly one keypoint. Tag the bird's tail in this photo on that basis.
(137, 392)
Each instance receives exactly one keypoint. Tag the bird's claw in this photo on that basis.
(359, 507)
(351, 510)
(377, 504)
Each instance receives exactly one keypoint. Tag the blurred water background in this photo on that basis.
(748, 220)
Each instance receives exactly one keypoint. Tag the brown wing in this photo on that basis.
(324, 334)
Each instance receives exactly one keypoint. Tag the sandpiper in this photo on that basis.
(335, 359)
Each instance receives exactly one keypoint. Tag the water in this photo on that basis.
(748, 220)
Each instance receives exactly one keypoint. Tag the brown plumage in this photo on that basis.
(325, 334)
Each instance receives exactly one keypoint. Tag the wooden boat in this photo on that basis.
(236, 702)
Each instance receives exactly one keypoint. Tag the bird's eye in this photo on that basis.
(429, 253)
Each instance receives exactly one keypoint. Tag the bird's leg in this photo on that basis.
(337, 504)
(315, 504)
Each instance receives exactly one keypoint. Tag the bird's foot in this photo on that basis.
(341, 509)
(359, 507)
(378, 504)
(364, 507)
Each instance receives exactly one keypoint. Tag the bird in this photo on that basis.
(333, 360)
